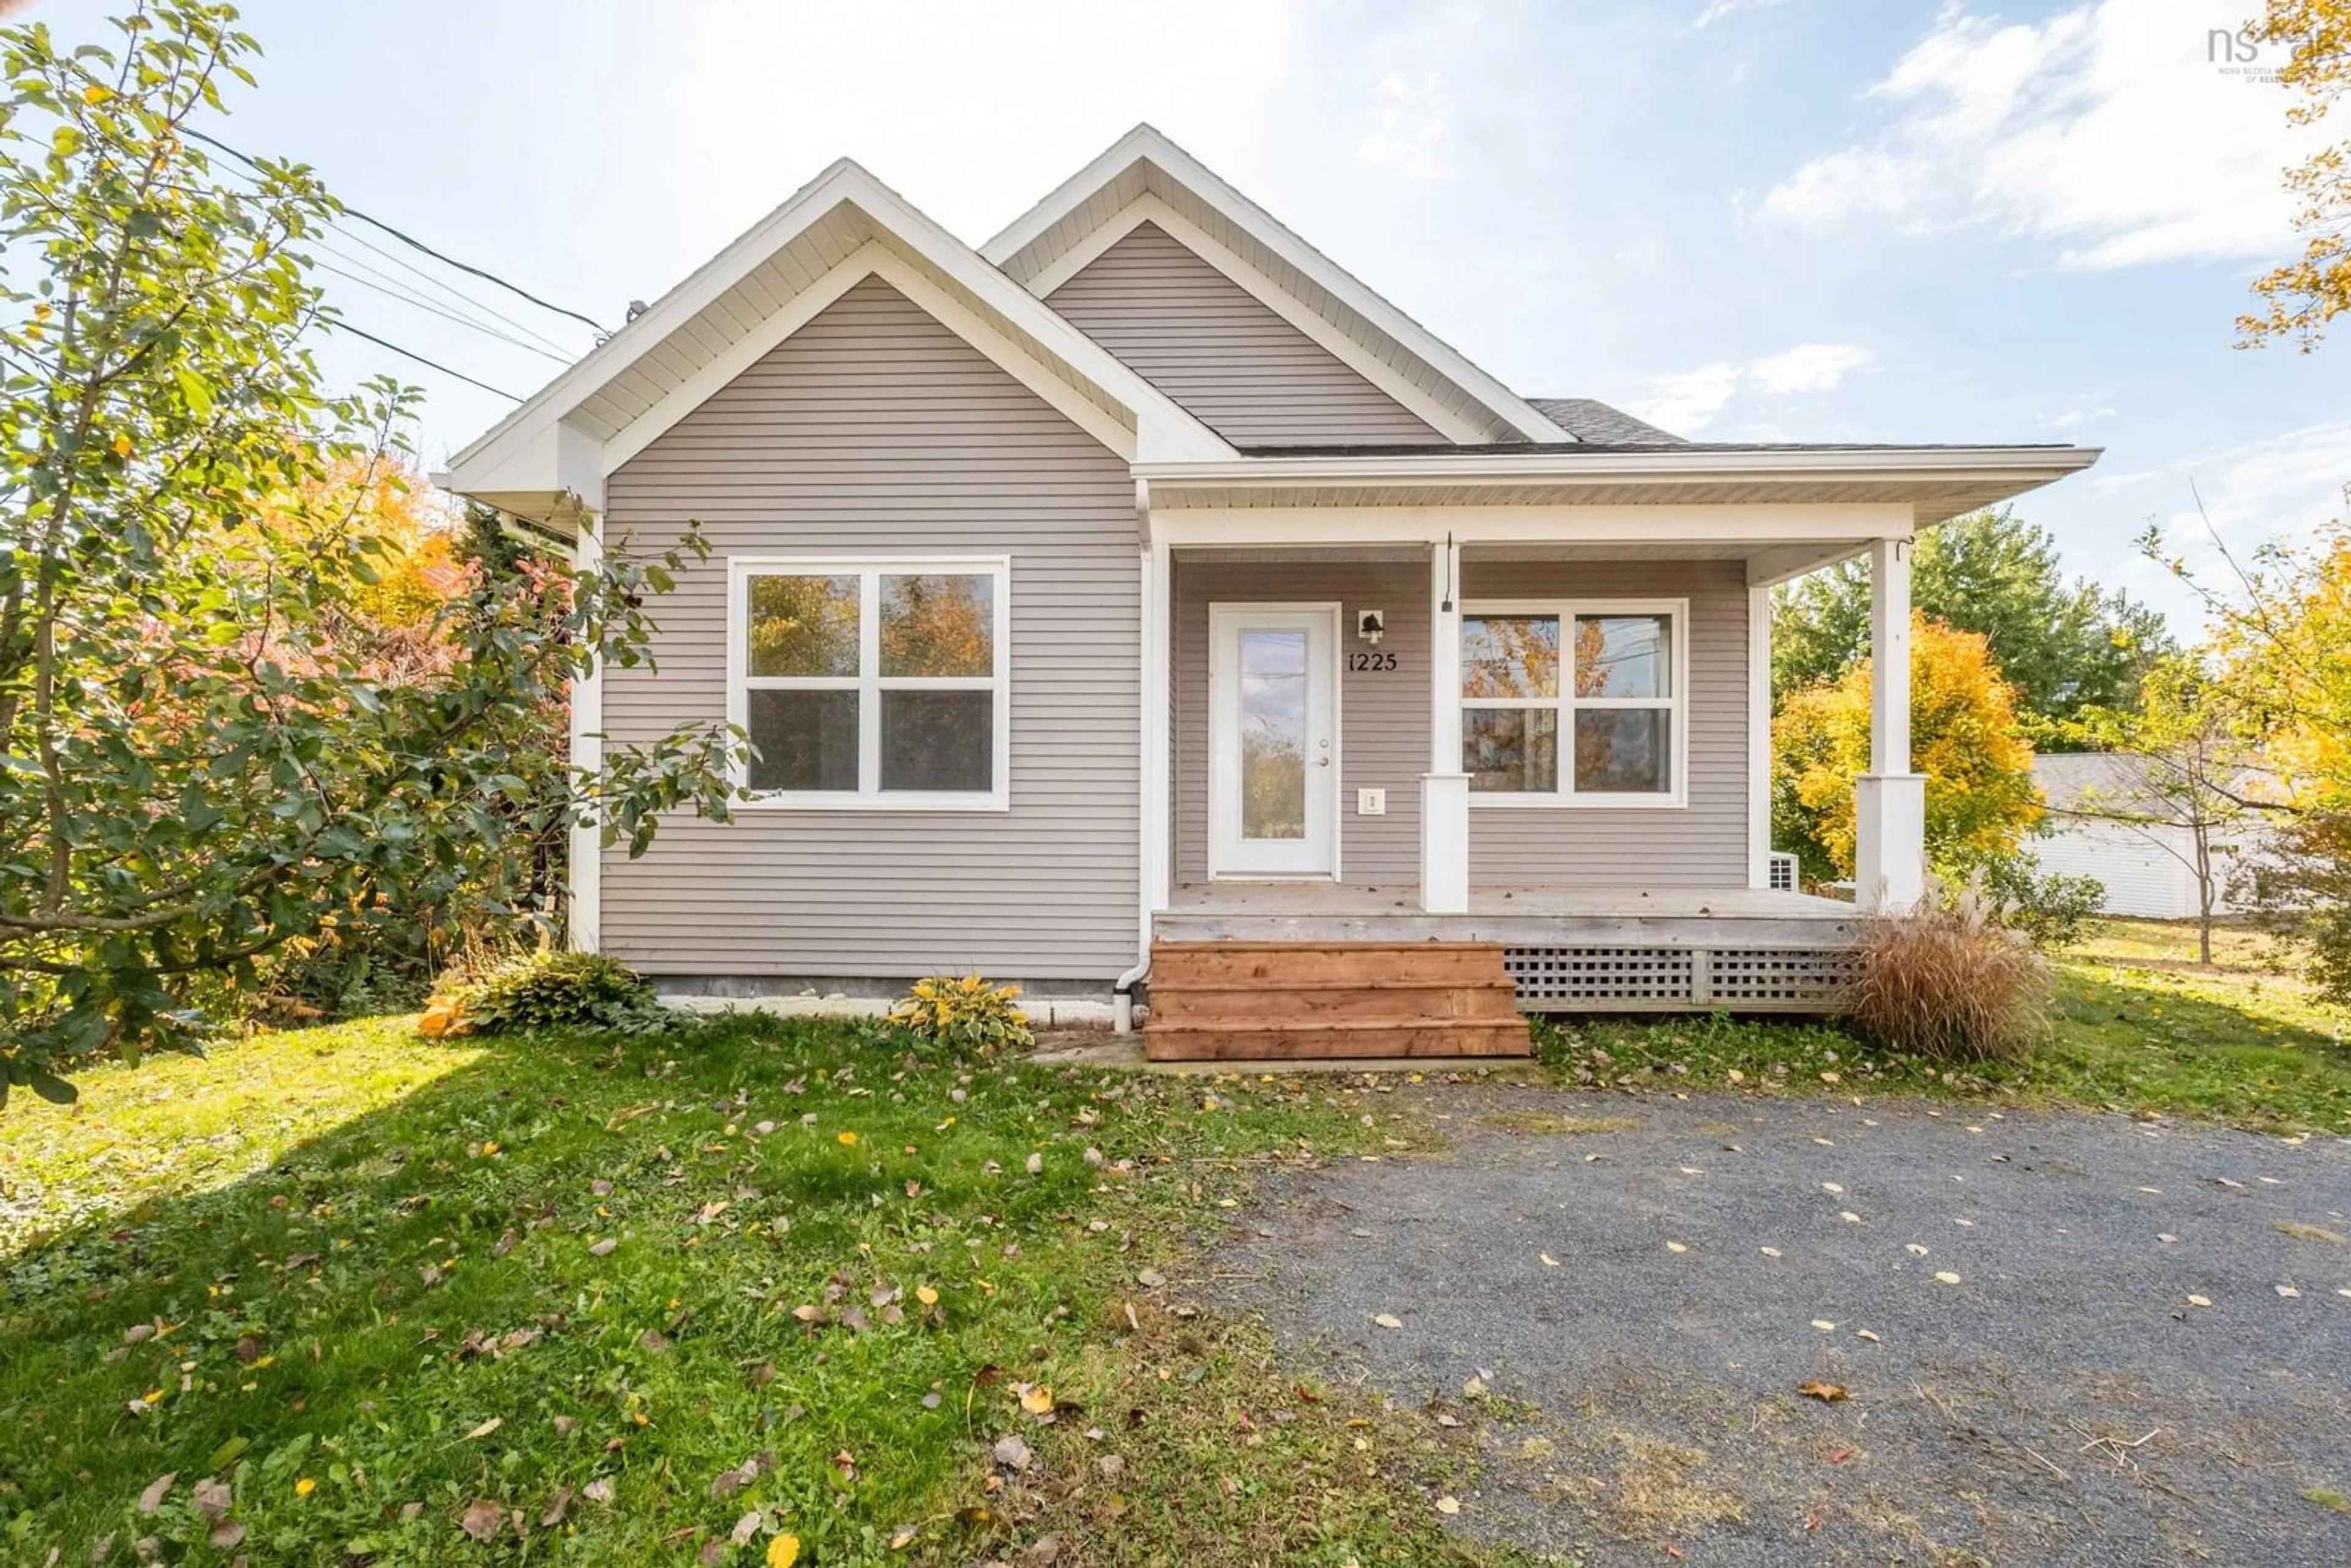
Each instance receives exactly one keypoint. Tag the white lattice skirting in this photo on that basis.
(1681, 979)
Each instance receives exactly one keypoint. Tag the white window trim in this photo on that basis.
(869, 682)
(1567, 797)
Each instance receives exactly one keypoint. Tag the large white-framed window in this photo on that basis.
(872, 683)
(1580, 701)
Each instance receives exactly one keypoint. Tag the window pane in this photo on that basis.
(1624, 656)
(1510, 749)
(803, 626)
(938, 740)
(938, 626)
(1623, 751)
(1510, 656)
(807, 740)
(1273, 734)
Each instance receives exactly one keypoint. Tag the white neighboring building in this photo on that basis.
(2149, 869)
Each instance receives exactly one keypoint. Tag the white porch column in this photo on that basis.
(1444, 789)
(1890, 801)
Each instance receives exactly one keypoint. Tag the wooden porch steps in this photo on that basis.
(1215, 1001)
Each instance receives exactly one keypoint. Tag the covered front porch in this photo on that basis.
(1478, 725)
(1424, 751)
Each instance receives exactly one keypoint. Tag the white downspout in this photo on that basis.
(1152, 720)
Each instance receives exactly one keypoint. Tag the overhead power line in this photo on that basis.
(412, 241)
(412, 354)
(438, 285)
(405, 296)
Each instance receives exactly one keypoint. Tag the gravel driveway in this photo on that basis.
(2058, 1339)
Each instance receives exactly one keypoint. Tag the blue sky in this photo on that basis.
(1776, 219)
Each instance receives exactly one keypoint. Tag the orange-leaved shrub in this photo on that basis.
(1949, 983)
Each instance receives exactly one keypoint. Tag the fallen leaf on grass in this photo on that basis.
(783, 1550)
(1826, 1393)
(604, 1249)
(157, 1491)
(1037, 1399)
(482, 1518)
(212, 1498)
(486, 1428)
(599, 1490)
(1448, 1506)
(1011, 1452)
(226, 1534)
(926, 1295)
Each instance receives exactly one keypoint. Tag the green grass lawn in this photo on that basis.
(686, 1298)
(557, 1299)
(2138, 1025)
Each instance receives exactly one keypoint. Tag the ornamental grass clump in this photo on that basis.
(1951, 984)
(965, 1014)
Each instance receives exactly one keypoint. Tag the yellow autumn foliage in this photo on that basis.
(1965, 736)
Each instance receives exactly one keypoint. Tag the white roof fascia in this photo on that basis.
(2025, 463)
(1145, 142)
(533, 448)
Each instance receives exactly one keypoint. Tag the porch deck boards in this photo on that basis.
(1325, 911)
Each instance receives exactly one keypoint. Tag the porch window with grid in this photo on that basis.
(873, 684)
(1574, 704)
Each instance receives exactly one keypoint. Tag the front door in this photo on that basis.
(1273, 748)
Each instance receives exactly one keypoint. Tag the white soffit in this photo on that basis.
(841, 227)
(1102, 199)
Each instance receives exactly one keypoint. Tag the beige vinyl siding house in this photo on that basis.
(1141, 584)
(875, 430)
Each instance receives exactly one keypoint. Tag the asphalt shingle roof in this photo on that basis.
(1589, 419)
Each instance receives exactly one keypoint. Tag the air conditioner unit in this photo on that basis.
(1781, 877)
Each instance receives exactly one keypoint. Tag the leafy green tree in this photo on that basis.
(2302, 295)
(2197, 785)
(199, 761)
(1965, 737)
(2064, 647)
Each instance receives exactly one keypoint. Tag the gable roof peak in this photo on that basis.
(1145, 170)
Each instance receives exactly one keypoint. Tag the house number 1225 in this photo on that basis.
(1371, 662)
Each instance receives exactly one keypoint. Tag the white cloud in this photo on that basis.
(1809, 367)
(1716, 10)
(2107, 131)
(1407, 135)
(2281, 486)
(2078, 414)
(1688, 401)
